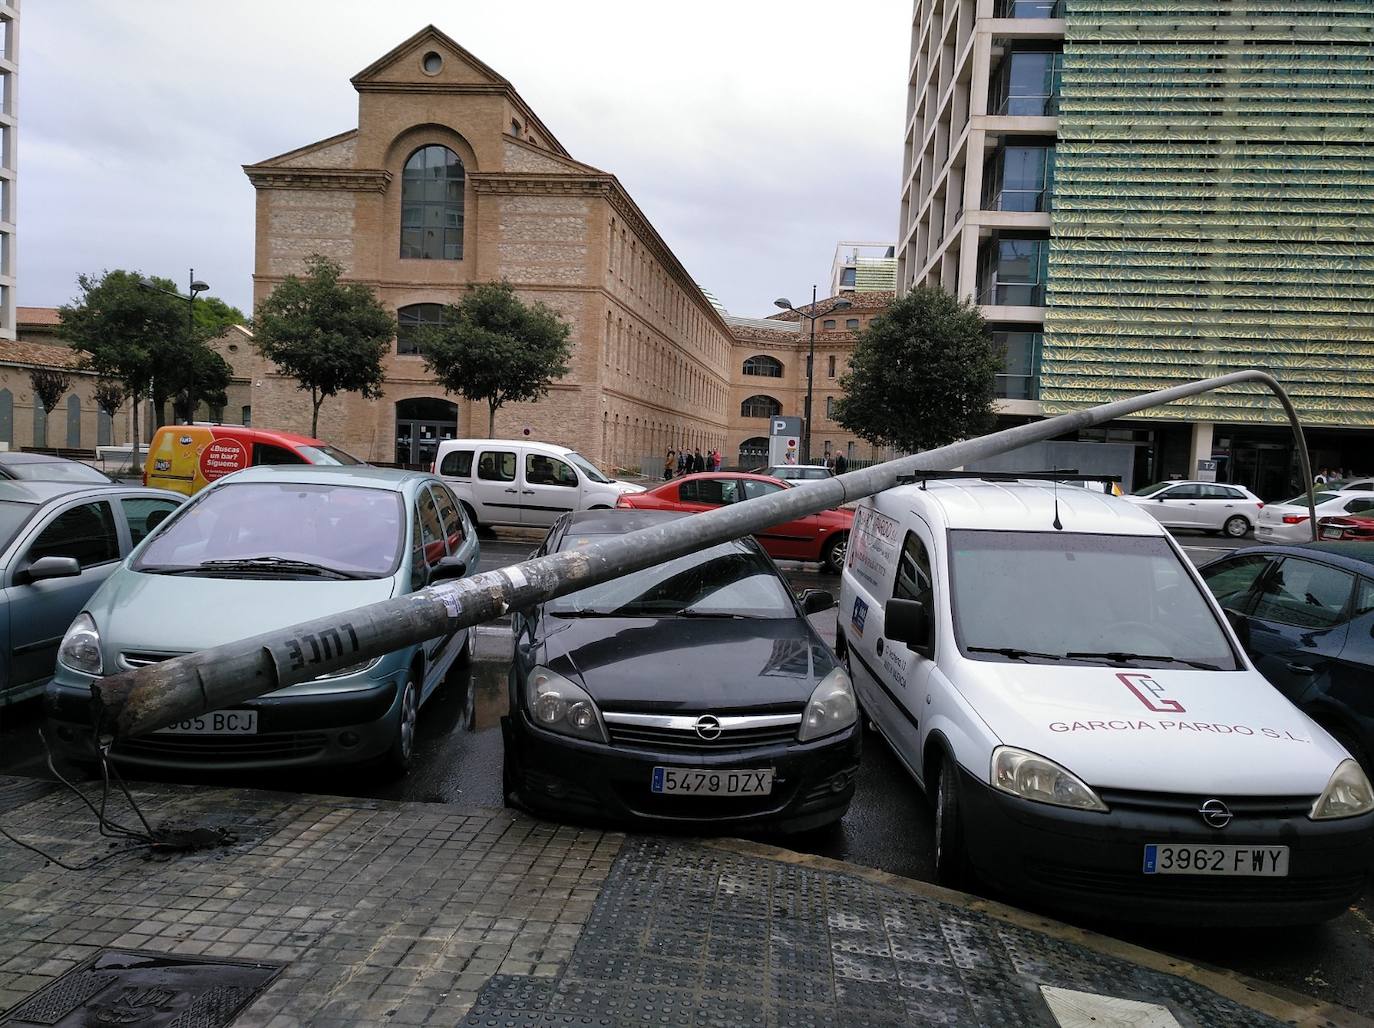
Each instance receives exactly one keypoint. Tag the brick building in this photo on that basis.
(449, 180)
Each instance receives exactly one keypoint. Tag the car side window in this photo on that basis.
(431, 528)
(1184, 492)
(1233, 494)
(714, 491)
(86, 532)
(1358, 506)
(144, 514)
(753, 490)
(913, 570)
(449, 517)
(1304, 594)
(1232, 582)
(1364, 598)
(544, 470)
(457, 464)
(265, 453)
(496, 466)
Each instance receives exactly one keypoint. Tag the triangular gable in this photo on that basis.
(402, 63)
(334, 152)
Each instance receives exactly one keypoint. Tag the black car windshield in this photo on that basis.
(355, 531)
(729, 580)
(55, 471)
(326, 454)
(586, 467)
(1102, 599)
(13, 517)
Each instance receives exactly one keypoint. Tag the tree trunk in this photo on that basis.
(159, 410)
(315, 416)
(491, 418)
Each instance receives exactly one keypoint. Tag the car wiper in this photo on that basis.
(587, 614)
(1119, 657)
(275, 564)
(688, 612)
(1016, 653)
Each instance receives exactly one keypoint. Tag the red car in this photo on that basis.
(817, 537)
(1346, 527)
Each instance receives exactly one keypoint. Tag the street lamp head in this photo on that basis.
(146, 283)
(198, 287)
(784, 303)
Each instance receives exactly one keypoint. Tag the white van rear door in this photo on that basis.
(495, 489)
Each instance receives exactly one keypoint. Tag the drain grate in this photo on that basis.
(151, 990)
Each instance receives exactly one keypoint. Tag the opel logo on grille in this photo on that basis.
(1215, 813)
(708, 727)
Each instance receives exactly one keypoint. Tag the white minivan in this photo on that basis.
(1055, 675)
(520, 482)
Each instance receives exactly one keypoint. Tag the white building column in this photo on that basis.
(1202, 446)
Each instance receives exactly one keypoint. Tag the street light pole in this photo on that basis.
(193, 286)
(786, 305)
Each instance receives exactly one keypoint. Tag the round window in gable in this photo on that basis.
(432, 62)
(233, 347)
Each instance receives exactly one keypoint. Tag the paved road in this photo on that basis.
(459, 760)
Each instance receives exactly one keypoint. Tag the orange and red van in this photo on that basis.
(187, 458)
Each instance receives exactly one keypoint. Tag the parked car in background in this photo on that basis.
(1207, 506)
(1305, 615)
(267, 547)
(1289, 521)
(58, 542)
(520, 482)
(818, 538)
(1345, 527)
(694, 693)
(798, 472)
(1352, 485)
(42, 467)
(187, 458)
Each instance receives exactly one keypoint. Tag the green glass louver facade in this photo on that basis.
(1214, 205)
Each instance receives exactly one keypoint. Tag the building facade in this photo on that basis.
(449, 180)
(9, 160)
(863, 268)
(1138, 193)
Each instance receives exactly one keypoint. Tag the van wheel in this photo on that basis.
(1236, 527)
(833, 557)
(402, 753)
(951, 859)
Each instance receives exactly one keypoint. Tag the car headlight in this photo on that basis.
(558, 705)
(352, 669)
(831, 707)
(1033, 777)
(1347, 793)
(80, 649)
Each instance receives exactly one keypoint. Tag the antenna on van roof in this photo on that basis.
(1058, 525)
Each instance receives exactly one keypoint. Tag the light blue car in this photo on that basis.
(260, 549)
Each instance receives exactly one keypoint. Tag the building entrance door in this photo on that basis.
(421, 424)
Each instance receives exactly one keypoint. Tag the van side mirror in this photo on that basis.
(51, 567)
(909, 622)
(813, 601)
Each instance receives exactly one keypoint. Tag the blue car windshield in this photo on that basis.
(350, 529)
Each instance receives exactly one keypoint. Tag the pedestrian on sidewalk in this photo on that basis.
(669, 462)
(841, 463)
(715, 460)
(682, 458)
(698, 461)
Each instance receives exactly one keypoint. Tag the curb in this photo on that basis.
(1272, 1000)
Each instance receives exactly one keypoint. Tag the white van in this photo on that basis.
(1055, 675)
(519, 482)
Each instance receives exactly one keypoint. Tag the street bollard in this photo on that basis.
(151, 697)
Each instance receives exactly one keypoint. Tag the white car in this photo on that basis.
(798, 472)
(1208, 506)
(1289, 521)
(521, 482)
(1056, 676)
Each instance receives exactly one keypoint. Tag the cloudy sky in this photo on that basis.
(755, 134)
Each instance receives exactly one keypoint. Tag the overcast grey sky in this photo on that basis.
(755, 134)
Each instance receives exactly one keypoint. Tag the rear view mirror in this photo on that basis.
(449, 567)
(908, 622)
(813, 601)
(52, 567)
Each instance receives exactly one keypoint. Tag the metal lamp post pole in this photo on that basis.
(810, 380)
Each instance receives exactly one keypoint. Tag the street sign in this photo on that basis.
(1206, 471)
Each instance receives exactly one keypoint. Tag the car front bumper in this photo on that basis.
(557, 776)
(347, 726)
(1092, 863)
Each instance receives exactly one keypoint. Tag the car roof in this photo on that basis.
(1018, 506)
(816, 467)
(267, 435)
(619, 520)
(331, 474)
(1353, 554)
(750, 475)
(33, 491)
(1195, 481)
(453, 443)
(15, 457)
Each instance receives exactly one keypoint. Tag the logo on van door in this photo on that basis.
(1150, 693)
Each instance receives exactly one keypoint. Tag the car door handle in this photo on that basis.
(512, 490)
(528, 492)
(1301, 669)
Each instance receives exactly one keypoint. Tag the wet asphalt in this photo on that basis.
(458, 760)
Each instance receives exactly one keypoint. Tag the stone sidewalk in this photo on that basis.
(356, 912)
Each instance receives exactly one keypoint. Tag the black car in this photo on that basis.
(693, 693)
(1305, 614)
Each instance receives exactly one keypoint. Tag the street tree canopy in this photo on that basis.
(922, 374)
(49, 386)
(494, 348)
(328, 335)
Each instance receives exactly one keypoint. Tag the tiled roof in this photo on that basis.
(39, 355)
(868, 301)
(36, 316)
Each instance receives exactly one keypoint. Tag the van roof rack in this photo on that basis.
(1067, 475)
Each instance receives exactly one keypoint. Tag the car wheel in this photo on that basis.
(402, 752)
(833, 557)
(1236, 526)
(951, 859)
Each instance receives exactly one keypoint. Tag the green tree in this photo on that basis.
(200, 376)
(109, 396)
(49, 386)
(327, 335)
(922, 374)
(493, 347)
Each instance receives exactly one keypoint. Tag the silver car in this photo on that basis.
(1205, 506)
(58, 542)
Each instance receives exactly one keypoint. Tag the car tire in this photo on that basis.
(832, 558)
(402, 753)
(951, 858)
(1236, 527)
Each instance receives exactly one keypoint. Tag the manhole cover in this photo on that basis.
(118, 987)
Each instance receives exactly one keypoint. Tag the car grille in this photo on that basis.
(1212, 888)
(1174, 804)
(678, 732)
(133, 659)
(277, 746)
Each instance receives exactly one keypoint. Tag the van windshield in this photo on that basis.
(586, 467)
(1103, 599)
(326, 454)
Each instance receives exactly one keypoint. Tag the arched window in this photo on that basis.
(760, 407)
(432, 205)
(410, 319)
(762, 364)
